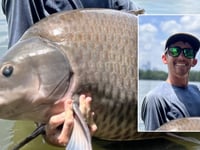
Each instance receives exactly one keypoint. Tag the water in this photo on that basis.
(11, 132)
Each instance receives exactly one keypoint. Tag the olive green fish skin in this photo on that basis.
(98, 53)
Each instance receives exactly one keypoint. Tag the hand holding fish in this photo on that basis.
(85, 108)
(59, 127)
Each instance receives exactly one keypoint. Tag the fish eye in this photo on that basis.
(7, 71)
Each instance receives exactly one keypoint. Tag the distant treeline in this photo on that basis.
(161, 75)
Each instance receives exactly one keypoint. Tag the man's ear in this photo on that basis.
(164, 58)
(194, 62)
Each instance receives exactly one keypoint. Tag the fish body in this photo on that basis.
(189, 124)
(72, 53)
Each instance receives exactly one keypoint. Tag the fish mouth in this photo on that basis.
(10, 112)
(21, 109)
(20, 114)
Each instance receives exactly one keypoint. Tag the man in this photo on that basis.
(21, 14)
(174, 98)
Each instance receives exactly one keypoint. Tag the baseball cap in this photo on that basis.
(185, 37)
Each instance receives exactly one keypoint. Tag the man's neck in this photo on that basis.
(178, 81)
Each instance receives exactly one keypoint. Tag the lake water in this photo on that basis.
(11, 132)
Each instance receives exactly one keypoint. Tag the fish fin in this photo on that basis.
(80, 137)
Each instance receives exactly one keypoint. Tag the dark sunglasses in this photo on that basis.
(176, 51)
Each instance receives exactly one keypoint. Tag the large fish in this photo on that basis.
(72, 53)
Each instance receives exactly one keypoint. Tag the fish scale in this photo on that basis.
(114, 40)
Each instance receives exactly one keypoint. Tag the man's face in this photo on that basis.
(179, 66)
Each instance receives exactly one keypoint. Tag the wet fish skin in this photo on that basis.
(189, 124)
(104, 42)
(71, 53)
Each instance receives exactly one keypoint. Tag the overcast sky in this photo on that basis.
(153, 32)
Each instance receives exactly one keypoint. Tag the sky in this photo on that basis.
(153, 33)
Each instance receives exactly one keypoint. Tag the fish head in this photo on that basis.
(34, 74)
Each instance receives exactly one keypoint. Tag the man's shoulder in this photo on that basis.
(193, 87)
(160, 90)
(159, 94)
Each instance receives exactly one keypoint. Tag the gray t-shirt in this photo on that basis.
(167, 102)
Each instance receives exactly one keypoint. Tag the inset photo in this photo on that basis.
(169, 73)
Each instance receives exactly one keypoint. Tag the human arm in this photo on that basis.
(153, 112)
